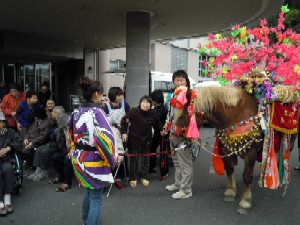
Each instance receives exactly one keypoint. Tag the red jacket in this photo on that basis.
(9, 105)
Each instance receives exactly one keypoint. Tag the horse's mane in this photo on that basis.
(208, 97)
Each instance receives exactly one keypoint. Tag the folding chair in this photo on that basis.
(121, 160)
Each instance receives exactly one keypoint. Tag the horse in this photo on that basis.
(224, 108)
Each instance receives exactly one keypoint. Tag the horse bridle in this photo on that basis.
(175, 129)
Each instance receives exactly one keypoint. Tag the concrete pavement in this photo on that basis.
(41, 205)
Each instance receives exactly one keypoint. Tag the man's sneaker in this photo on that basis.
(182, 195)
(172, 187)
(30, 177)
(36, 172)
(43, 174)
(3, 211)
(9, 208)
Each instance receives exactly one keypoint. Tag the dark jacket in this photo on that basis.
(161, 112)
(140, 130)
(38, 132)
(12, 139)
(44, 97)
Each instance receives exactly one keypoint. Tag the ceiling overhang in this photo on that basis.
(101, 24)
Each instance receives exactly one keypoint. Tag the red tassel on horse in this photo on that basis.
(217, 161)
(271, 173)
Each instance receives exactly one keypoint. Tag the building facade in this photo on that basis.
(109, 66)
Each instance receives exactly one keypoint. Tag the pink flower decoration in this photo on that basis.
(279, 56)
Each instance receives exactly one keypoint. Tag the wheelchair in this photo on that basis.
(18, 174)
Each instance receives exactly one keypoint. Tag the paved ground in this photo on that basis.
(41, 205)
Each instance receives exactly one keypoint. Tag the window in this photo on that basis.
(117, 65)
(165, 86)
(203, 61)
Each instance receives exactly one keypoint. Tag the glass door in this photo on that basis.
(43, 75)
(26, 77)
(31, 76)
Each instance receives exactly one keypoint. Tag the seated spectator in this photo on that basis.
(37, 135)
(44, 94)
(9, 143)
(24, 112)
(50, 104)
(62, 159)
(10, 102)
(142, 119)
(44, 152)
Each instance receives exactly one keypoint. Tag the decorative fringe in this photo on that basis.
(280, 168)
(192, 129)
(217, 161)
(285, 160)
(271, 178)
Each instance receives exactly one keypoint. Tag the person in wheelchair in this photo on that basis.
(10, 142)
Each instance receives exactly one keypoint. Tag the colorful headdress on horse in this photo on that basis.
(179, 101)
(275, 50)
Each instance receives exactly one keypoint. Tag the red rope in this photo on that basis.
(148, 154)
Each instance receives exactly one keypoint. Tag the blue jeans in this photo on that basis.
(91, 207)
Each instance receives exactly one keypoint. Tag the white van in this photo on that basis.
(163, 81)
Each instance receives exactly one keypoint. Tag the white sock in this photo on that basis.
(1, 204)
(7, 199)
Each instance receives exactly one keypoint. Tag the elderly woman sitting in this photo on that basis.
(9, 143)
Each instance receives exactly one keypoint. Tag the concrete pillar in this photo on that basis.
(104, 77)
(137, 56)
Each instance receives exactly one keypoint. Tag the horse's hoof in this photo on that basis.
(243, 211)
(229, 195)
(228, 198)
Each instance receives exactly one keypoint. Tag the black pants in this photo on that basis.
(6, 179)
(164, 145)
(134, 162)
(63, 166)
(28, 156)
(164, 157)
(156, 141)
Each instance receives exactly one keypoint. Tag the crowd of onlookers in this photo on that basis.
(40, 127)
(37, 130)
(32, 127)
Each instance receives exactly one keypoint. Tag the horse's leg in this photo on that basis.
(230, 192)
(246, 201)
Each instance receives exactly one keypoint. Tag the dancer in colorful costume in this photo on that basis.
(93, 149)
